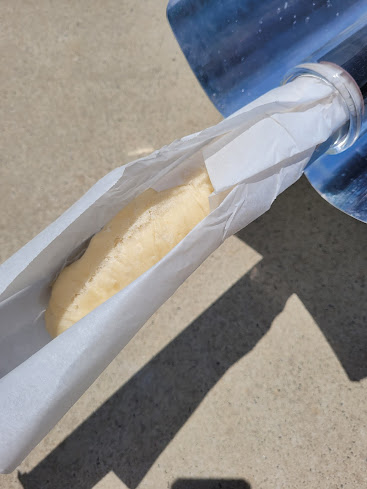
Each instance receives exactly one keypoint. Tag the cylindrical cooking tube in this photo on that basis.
(342, 179)
(350, 93)
(339, 62)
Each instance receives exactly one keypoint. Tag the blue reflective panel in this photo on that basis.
(342, 179)
(240, 49)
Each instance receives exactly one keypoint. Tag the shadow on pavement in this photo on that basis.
(308, 248)
(210, 484)
(320, 254)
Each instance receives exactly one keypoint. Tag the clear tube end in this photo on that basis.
(350, 93)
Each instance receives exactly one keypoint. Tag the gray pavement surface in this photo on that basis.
(253, 375)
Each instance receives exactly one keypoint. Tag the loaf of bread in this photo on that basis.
(140, 235)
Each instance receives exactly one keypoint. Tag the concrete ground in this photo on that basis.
(253, 375)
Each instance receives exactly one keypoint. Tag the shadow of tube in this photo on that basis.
(211, 484)
(321, 254)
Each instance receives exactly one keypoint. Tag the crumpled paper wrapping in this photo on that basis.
(251, 158)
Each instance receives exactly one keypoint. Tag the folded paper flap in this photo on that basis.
(51, 375)
(276, 136)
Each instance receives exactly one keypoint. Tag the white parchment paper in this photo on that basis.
(251, 158)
